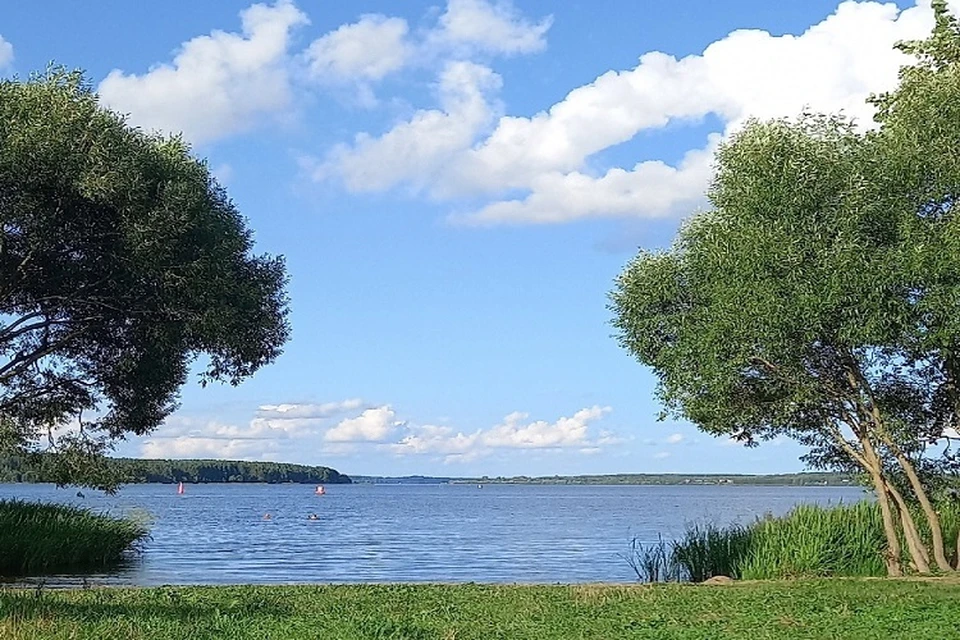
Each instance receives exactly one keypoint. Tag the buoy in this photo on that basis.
(320, 490)
(180, 489)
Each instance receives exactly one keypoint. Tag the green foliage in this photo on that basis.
(43, 538)
(817, 298)
(754, 317)
(706, 551)
(48, 468)
(814, 541)
(849, 609)
(121, 262)
(810, 541)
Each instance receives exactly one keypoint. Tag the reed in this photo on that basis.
(37, 538)
(706, 551)
(844, 540)
(814, 541)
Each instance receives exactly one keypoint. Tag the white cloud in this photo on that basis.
(6, 53)
(277, 430)
(219, 448)
(513, 433)
(675, 438)
(493, 28)
(661, 455)
(550, 157)
(368, 49)
(656, 187)
(373, 425)
(303, 433)
(294, 410)
(565, 432)
(951, 433)
(218, 84)
(417, 150)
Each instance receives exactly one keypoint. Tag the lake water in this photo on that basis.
(215, 534)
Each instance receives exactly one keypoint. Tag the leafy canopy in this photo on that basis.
(121, 261)
(820, 293)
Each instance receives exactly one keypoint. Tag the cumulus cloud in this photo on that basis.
(216, 448)
(373, 425)
(308, 432)
(368, 49)
(217, 84)
(295, 410)
(675, 438)
(513, 433)
(275, 430)
(375, 46)
(547, 158)
(6, 53)
(416, 151)
(494, 28)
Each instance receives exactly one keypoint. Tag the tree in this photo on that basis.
(818, 297)
(121, 262)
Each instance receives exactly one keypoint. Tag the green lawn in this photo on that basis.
(804, 609)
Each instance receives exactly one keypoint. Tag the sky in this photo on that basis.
(455, 185)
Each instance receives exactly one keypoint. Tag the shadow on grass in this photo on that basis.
(164, 603)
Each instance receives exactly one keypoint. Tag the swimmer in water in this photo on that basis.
(266, 516)
(312, 516)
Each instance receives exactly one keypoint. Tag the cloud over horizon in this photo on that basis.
(292, 432)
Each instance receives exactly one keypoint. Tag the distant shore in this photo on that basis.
(782, 479)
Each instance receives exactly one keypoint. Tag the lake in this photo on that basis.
(216, 534)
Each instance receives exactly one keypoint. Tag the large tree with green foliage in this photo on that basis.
(121, 262)
(819, 297)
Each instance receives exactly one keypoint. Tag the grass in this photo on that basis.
(783, 610)
(42, 538)
(810, 541)
(814, 541)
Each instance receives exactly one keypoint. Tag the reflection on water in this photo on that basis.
(217, 534)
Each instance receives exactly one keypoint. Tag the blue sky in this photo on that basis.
(455, 185)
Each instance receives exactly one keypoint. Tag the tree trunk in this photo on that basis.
(867, 459)
(936, 532)
(958, 551)
(918, 552)
(893, 551)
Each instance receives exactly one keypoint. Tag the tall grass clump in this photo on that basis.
(810, 541)
(845, 540)
(706, 551)
(38, 538)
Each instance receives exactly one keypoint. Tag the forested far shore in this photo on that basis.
(782, 479)
(42, 468)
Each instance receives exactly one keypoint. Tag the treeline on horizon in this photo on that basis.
(41, 468)
(781, 479)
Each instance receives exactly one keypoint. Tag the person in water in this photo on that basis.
(313, 516)
(266, 516)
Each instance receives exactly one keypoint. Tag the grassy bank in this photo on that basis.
(782, 610)
(40, 538)
(810, 541)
